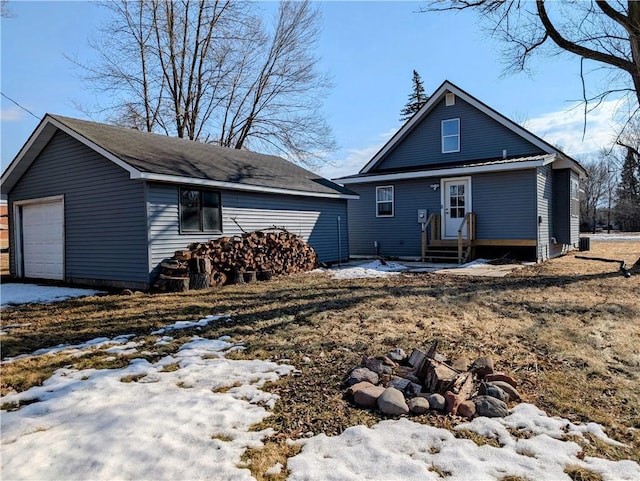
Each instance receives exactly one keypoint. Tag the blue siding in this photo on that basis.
(546, 246)
(312, 218)
(397, 236)
(505, 204)
(574, 220)
(481, 137)
(105, 225)
(561, 214)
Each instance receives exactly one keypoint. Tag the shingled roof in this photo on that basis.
(162, 158)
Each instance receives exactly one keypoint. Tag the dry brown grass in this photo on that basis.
(568, 329)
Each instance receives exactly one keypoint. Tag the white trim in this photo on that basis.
(17, 231)
(233, 186)
(531, 164)
(468, 207)
(442, 136)
(393, 200)
(448, 87)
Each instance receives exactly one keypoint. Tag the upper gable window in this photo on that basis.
(450, 136)
(384, 201)
(200, 211)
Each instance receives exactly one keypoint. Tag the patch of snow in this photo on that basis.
(613, 237)
(79, 349)
(168, 425)
(367, 270)
(406, 450)
(187, 324)
(15, 294)
(476, 263)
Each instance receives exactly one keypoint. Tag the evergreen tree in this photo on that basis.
(417, 98)
(628, 206)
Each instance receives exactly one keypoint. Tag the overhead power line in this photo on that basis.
(23, 108)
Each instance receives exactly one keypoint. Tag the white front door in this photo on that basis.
(456, 201)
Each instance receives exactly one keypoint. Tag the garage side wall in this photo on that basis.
(312, 218)
(104, 214)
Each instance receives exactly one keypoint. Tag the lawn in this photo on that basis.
(567, 329)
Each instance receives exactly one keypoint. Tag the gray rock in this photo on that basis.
(397, 355)
(412, 389)
(362, 374)
(467, 409)
(490, 407)
(482, 366)
(399, 383)
(437, 401)
(367, 396)
(392, 402)
(494, 391)
(513, 393)
(461, 364)
(418, 405)
(377, 365)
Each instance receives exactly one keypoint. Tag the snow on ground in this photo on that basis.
(149, 421)
(613, 237)
(90, 424)
(369, 269)
(11, 294)
(403, 450)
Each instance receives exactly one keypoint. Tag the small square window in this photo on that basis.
(450, 136)
(384, 201)
(200, 211)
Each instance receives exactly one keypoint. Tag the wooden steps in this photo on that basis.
(446, 254)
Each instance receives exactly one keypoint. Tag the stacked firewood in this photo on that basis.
(257, 255)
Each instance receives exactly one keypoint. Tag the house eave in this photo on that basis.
(174, 179)
(453, 172)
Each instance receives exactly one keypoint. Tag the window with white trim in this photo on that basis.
(450, 136)
(384, 201)
(575, 198)
(200, 211)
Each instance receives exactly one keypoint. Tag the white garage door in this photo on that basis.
(43, 240)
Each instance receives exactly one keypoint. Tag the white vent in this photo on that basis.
(450, 99)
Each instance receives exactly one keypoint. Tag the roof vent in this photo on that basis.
(450, 99)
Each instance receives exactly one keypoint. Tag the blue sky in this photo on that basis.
(370, 50)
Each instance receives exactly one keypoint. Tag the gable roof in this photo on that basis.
(161, 158)
(436, 97)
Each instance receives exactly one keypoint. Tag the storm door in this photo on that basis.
(456, 200)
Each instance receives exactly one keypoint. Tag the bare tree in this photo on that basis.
(594, 189)
(607, 33)
(5, 12)
(211, 70)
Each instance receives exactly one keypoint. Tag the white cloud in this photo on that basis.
(12, 114)
(564, 128)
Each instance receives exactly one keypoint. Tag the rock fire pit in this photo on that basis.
(398, 384)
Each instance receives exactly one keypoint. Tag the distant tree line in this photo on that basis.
(610, 195)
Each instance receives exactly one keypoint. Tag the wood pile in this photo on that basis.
(257, 255)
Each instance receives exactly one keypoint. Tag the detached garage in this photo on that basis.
(97, 204)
